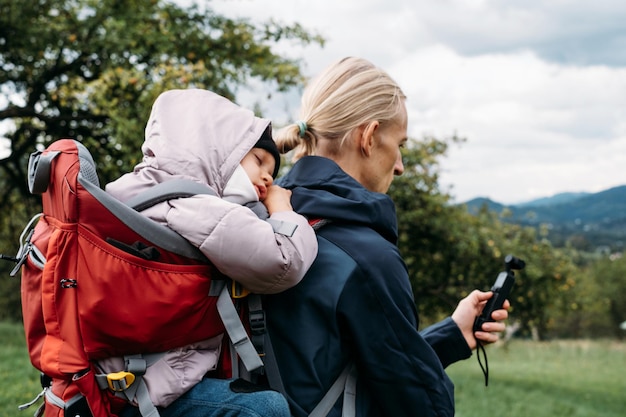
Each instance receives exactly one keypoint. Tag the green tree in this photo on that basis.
(606, 308)
(90, 70)
(450, 252)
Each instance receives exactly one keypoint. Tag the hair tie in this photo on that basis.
(303, 127)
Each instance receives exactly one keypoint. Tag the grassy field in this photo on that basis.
(556, 379)
(527, 379)
(19, 381)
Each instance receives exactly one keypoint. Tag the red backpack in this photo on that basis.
(91, 290)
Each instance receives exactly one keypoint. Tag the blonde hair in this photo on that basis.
(348, 94)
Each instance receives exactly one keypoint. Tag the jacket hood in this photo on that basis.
(321, 189)
(193, 134)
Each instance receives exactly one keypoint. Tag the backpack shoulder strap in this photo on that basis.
(346, 384)
(236, 332)
(168, 190)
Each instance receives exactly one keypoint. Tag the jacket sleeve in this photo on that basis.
(448, 342)
(244, 247)
(398, 367)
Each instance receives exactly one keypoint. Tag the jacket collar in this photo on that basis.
(321, 189)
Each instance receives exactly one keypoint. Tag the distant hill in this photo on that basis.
(561, 198)
(590, 220)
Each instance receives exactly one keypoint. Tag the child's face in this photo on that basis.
(259, 165)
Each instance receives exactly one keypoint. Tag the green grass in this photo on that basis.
(527, 379)
(19, 381)
(560, 378)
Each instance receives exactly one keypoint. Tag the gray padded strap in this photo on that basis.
(345, 379)
(168, 190)
(237, 333)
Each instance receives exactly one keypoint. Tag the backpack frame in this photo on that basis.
(89, 293)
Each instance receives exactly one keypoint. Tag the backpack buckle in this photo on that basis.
(257, 322)
(120, 381)
(237, 290)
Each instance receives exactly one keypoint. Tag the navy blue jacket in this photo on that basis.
(356, 303)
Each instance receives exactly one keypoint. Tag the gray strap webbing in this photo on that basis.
(52, 398)
(168, 190)
(271, 366)
(236, 332)
(345, 379)
(33, 401)
(135, 364)
(146, 407)
(37, 257)
(234, 363)
(138, 390)
(349, 394)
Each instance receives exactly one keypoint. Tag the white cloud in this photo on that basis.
(533, 128)
(567, 31)
(538, 88)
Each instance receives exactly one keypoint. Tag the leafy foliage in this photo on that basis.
(91, 69)
(449, 252)
(599, 305)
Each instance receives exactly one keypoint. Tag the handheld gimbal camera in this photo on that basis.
(501, 289)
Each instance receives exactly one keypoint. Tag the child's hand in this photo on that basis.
(277, 199)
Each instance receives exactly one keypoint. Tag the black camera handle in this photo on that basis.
(501, 290)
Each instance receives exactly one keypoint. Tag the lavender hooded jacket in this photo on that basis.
(198, 135)
(201, 136)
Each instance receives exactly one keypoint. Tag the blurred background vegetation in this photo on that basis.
(90, 70)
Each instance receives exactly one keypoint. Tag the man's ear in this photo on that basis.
(367, 137)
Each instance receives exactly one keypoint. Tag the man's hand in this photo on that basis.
(469, 308)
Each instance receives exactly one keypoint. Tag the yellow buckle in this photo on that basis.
(238, 290)
(119, 381)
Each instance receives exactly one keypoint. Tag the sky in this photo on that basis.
(537, 88)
